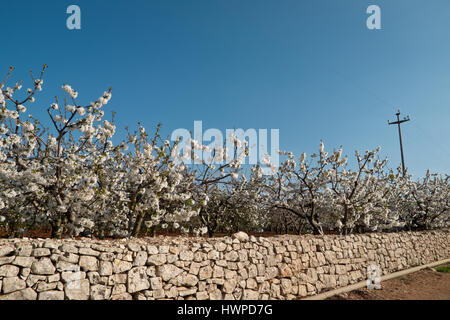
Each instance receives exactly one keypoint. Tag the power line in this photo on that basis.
(399, 122)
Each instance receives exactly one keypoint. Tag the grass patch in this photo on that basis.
(445, 269)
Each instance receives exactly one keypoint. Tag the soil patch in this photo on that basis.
(426, 284)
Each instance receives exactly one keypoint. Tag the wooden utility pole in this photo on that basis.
(398, 122)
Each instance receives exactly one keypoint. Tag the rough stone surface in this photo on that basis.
(137, 279)
(43, 266)
(237, 267)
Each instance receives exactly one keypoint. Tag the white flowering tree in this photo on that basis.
(301, 188)
(428, 202)
(70, 176)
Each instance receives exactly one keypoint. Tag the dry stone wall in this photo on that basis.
(238, 267)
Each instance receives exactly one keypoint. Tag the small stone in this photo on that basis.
(89, 252)
(203, 295)
(44, 286)
(13, 284)
(68, 248)
(51, 295)
(140, 259)
(105, 268)
(88, 263)
(6, 260)
(250, 295)
(156, 260)
(189, 280)
(66, 257)
(168, 271)
(137, 279)
(152, 250)
(241, 236)
(77, 290)
(6, 250)
(26, 294)
(25, 262)
(43, 266)
(24, 250)
(205, 273)
(100, 292)
(120, 266)
(9, 271)
(186, 255)
(156, 283)
(41, 252)
(54, 278)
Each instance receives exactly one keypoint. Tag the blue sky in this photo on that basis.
(309, 68)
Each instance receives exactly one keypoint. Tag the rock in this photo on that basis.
(203, 295)
(140, 259)
(25, 272)
(286, 286)
(220, 246)
(120, 266)
(51, 295)
(189, 280)
(134, 247)
(6, 250)
(232, 256)
(137, 279)
(6, 260)
(54, 278)
(302, 292)
(69, 276)
(9, 271)
(77, 290)
(186, 255)
(44, 286)
(43, 266)
(105, 268)
(24, 249)
(215, 294)
(156, 260)
(26, 294)
(41, 252)
(119, 289)
(194, 268)
(241, 236)
(205, 273)
(13, 284)
(68, 248)
(187, 292)
(156, 283)
(152, 250)
(168, 271)
(88, 252)
(107, 256)
(25, 262)
(229, 285)
(251, 284)
(117, 278)
(33, 279)
(122, 296)
(100, 292)
(88, 263)
(67, 257)
(250, 295)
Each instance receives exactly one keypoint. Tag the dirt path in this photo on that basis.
(426, 284)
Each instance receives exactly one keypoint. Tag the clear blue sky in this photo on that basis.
(309, 68)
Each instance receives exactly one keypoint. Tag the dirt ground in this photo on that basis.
(426, 284)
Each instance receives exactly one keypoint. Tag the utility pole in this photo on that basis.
(398, 122)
